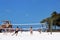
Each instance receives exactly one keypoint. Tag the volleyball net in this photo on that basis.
(25, 27)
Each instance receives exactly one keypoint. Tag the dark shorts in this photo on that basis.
(16, 31)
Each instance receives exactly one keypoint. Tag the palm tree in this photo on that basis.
(56, 19)
(52, 20)
(46, 20)
(54, 16)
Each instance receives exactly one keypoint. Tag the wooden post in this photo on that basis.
(51, 25)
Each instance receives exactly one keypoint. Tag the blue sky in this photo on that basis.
(27, 11)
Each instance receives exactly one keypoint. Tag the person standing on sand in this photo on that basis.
(31, 30)
(39, 30)
(16, 31)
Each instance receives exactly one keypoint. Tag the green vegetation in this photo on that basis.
(53, 20)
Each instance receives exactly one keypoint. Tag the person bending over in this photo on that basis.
(16, 31)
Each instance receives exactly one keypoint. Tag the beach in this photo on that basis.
(27, 36)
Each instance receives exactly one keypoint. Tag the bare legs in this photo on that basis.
(14, 34)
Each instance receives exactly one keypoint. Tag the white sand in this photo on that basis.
(27, 36)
